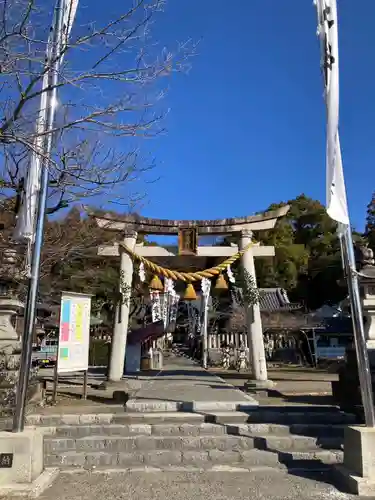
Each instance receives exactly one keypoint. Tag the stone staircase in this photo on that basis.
(282, 438)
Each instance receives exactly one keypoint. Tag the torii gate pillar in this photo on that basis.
(253, 318)
(120, 332)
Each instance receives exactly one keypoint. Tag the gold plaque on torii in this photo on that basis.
(188, 241)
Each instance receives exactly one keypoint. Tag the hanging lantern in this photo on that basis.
(190, 292)
(221, 284)
(156, 284)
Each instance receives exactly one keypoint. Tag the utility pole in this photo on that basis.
(33, 285)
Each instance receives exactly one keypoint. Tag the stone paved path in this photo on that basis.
(183, 380)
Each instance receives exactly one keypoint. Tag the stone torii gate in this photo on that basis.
(242, 227)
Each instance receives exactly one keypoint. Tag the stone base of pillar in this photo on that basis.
(258, 387)
(357, 474)
(115, 391)
(21, 472)
(346, 390)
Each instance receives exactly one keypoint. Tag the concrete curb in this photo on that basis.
(148, 469)
(136, 406)
(31, 490)
(243, 394)
(215, 468)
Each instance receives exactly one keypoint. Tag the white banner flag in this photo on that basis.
(156, 311)
(26, 216)
(337, 207)
(174, 308)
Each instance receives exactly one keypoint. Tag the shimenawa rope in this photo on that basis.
(183, 276)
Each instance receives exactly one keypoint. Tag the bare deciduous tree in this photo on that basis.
(110, 90)
(237, 322)
(288, 320)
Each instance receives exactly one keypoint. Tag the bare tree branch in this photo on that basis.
(110, 88)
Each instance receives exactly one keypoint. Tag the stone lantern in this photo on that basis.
(346, 391)
(357, 473)
(10, 345)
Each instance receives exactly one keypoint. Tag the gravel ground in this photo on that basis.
(267, 485)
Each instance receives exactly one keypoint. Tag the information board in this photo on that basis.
(74, 336)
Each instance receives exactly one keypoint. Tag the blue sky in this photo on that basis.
(247, 124)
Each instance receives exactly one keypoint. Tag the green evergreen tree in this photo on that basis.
(370, 223)
(308, 260)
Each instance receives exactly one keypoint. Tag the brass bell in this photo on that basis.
(190, 292)
(221, 283)
(156, 284)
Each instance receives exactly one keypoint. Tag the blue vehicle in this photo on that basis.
(46, 354)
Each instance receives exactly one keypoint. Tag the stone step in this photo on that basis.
(313, 430)
(71, 419)
(206, 467)
(311, 457)
(337, 430)
(280, 438)
(260, 416)
(221, 442)
(314, 459)
(280, 417)
(142, 406)
(152, 418)
(126, 430)
(146, 443)
(296, 443)
(198, 429)
(54, 420)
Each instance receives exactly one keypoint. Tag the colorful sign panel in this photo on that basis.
(74, 337)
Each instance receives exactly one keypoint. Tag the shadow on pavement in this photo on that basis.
(310, 469)
(199, 372)
(310, 399)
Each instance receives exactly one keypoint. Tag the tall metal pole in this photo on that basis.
(364, 371)
(30, 309)
(327, 22)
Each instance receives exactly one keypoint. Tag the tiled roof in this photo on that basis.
(270, 299)
(273, 299)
